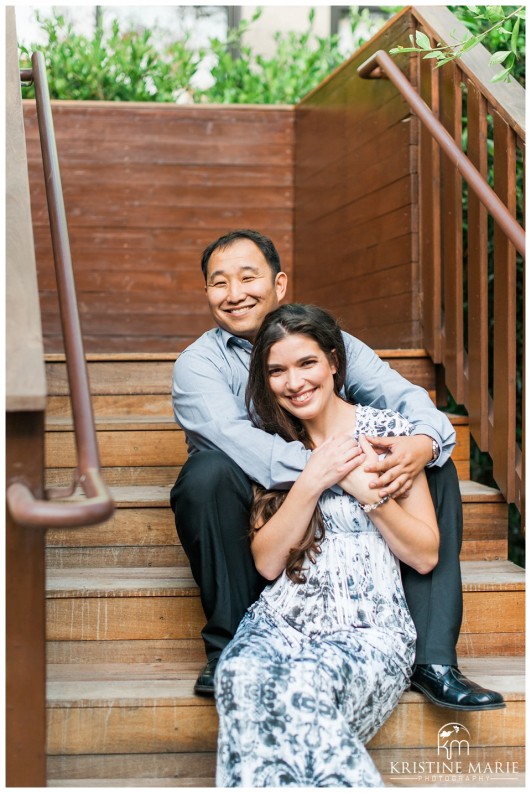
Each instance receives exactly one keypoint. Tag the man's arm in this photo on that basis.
(371, 381)
(215, 418)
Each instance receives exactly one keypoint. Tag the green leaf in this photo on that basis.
(514, 37)
(499, 57)
(422, 40)
(433, 54)
(502, 76)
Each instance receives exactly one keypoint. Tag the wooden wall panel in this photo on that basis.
(355, 245)
(146, 188)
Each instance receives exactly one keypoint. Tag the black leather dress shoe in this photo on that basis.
(204, 685)
(447, 686)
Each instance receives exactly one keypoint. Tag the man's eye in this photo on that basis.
(248, 278)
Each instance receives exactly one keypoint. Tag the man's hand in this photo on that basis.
(406, 457)
(331, 461)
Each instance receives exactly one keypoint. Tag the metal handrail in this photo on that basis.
(98, 506)
(382, 61)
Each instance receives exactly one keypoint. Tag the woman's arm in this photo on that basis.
(409, 526)
(329, 463)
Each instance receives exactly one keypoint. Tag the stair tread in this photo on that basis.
(128, 422)
(477, 576)
(158, 495)
(168, 684)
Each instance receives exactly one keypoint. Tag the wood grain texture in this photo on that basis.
(355, 216)
(25, 380)
(146, 189)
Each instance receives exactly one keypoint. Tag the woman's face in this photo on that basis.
(300, 376)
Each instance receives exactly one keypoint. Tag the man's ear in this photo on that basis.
(281, 284)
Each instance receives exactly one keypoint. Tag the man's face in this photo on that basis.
(240, 288)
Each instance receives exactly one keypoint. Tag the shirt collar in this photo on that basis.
(230, 338)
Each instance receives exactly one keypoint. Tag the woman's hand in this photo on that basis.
(358, 481)
(331, 462)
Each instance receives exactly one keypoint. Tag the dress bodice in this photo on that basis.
(355, 580)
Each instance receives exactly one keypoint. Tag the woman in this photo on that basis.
(320, 660)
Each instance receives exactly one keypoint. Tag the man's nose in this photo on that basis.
(235, 291)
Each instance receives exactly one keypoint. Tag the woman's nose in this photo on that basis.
(293, 380)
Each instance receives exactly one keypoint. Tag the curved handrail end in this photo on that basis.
(31, 512)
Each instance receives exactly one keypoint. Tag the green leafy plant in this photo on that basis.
(505, 25)
(129, 65)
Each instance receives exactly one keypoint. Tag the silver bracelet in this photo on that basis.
(370, 507)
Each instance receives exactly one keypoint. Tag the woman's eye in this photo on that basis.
(274, 372)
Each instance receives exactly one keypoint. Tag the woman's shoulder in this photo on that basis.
(381, 421)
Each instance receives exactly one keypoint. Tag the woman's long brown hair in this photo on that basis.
(265, 411)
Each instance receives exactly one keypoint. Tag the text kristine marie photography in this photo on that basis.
(455, 761)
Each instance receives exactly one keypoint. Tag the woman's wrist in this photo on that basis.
(375, 505)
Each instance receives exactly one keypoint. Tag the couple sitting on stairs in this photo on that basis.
(313, 469)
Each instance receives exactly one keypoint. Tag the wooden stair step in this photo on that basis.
(139, 708)
(151, 373)
(151, 442)
(498, 576)
(144, 523)
(163, 603)
(399, 767)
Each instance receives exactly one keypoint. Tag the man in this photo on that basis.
(212, 496)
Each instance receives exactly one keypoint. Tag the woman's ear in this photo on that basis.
(334, 363)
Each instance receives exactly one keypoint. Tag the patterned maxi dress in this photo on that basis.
(315, 669)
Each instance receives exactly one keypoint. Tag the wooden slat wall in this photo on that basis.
(355, 245)
(147, 187)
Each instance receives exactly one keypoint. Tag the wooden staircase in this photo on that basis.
(124, 616)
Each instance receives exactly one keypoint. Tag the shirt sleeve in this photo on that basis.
(371, 381)
(215, 418)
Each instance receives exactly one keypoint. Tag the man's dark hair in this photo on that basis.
(266, 246)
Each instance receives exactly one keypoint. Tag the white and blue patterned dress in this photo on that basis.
(315, 669)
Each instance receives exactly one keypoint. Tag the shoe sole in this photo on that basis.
(204, 691)
(441, 704)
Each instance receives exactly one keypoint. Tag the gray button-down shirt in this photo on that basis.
(208, 393)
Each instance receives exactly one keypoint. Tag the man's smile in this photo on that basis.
(239, 310)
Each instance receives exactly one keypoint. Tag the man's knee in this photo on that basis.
(206, 474)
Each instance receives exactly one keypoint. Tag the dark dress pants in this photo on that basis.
(211, 501)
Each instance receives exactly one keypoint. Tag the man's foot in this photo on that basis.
(447, 686)
(204, 685)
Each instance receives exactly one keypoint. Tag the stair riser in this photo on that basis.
(118, 378)
(120, 729)
(484, 523)
(148, 651)
(498, 612)
(163, 447)
(175, 766)
(172, 556)
(201, 765)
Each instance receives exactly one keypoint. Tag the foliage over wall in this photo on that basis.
(128, 65)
